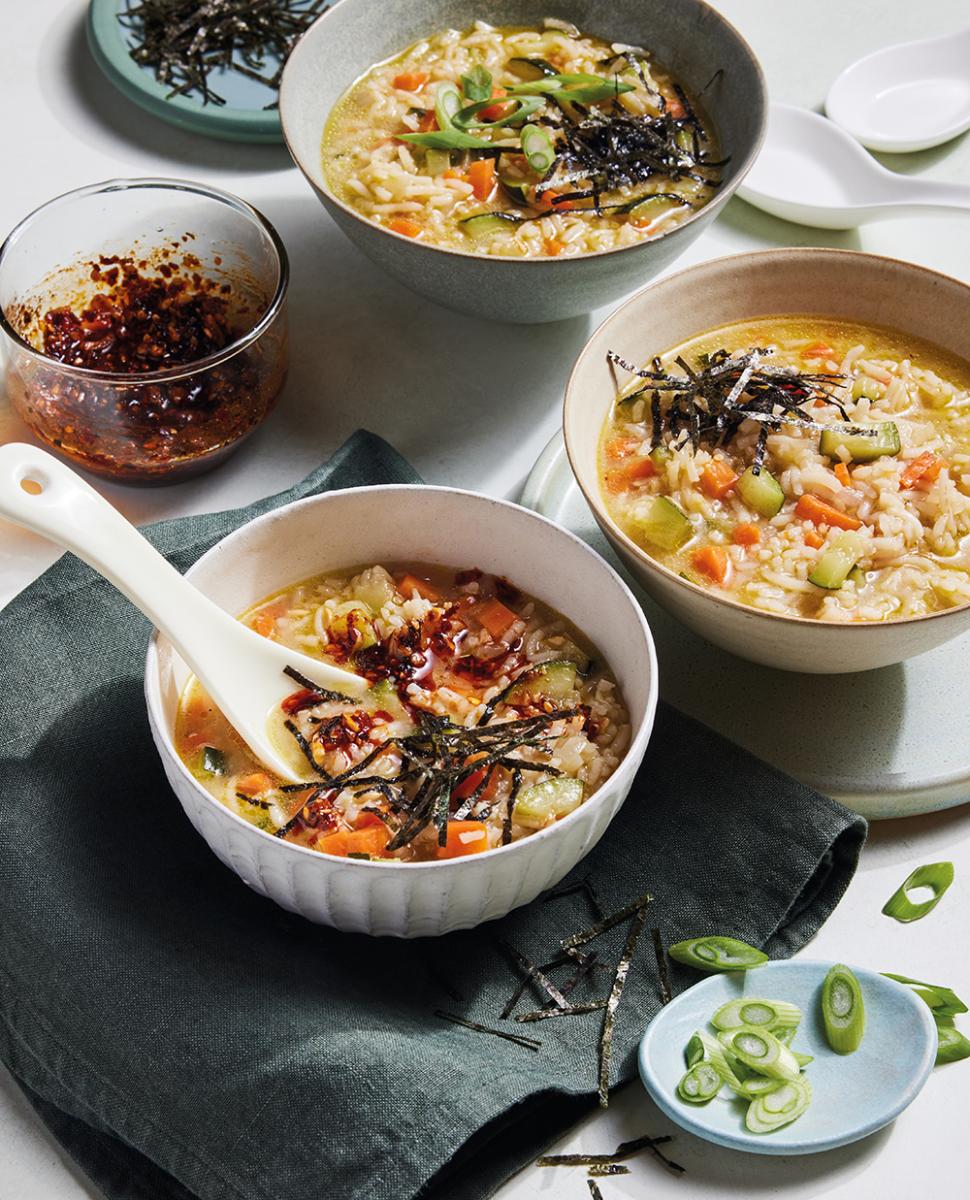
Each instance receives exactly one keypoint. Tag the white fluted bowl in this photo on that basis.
(418, 524)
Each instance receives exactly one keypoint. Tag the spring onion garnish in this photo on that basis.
(447, 101)
(700, 1084)
(761, 1051)
(717, 953)
(521, 107)
(936, 876)
(942, 1000)
(953, 1046)
(443, 139)
(727, 1065)
(580, 88)
(751, 1011)
(779, 1106)
(693, 1051)
(477, 84)
(528, 1043)
(538, 148)
(843, 1012)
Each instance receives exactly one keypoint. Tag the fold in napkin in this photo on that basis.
(185, 1039)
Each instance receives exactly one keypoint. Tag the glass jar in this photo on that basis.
(143, 326)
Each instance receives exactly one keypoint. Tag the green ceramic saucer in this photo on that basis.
(243, 118)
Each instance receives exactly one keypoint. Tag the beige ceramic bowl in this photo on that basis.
(829, 283)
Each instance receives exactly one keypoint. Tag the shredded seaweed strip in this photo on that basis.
(534, 973)
(616, 994)
(571, 944)
(598, 1170)
(571, 1010)
(708, 403)
(323, 693)
(624, 1151)
(182, 41)
(666, 994)
(594, 1189)
(583, 885)
(528, 1043)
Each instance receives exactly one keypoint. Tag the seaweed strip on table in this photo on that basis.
(616, 994)
(534, 973)
(666, 993)
(594, 1189)
(624, 1151)
(571, 944)
(598, 1170)
(571, 1010)
(583, 885)
(528, 1043)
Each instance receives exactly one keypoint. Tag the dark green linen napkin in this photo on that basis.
(185, 1039)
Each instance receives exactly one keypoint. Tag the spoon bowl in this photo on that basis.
(241, 671)
(853, 1095)
(814, 173)
(906, 97)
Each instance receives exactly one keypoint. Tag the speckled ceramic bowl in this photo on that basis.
(420, 524)
(831, 283)
(689, 38)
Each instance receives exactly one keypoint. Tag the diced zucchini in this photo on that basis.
(485, 224)
(861, 447)
(857, 576)
(660, 456)
(836, 561)
(436, 162)
(554, 680)
(517, 190)
(863, 387)
(660, 521)
(649, 207)
(209, 761)
(542, 803)
(762, 492)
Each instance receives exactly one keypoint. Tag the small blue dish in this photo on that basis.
(243, 118)
(853, 1095)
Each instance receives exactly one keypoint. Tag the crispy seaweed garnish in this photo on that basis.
(666, 994)
(310, 686)
(598, 1170)
(616, 994)
(534, 973)
(624, 1151)
(707, 404)
(528, 1043)
(570, 1010)
(182, 41)
(571, 944)
(583, 885)
(594, 1189)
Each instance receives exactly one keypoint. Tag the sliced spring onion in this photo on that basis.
(843, 1012)
(757, 1085)
(952, 1046)
(444, 139)
(694, 1051)
(942, 1000)
(538, 148)
(579, 88)
(700, 1084)
(761, 1051)
(936, 876)
(447, 101)
(720, 1060)
(779, 1107)
(753, 1011)
(522, 108)
(803, 1059)
(477, 84)
(785, 1034)
(717, 953)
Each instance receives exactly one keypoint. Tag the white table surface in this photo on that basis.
(472, 405)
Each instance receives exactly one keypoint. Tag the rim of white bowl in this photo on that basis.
(592, 494)
(710, 209)
(638, 739)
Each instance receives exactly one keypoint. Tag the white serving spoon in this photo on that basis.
(811, 171)
(906, 97)
(241, 671)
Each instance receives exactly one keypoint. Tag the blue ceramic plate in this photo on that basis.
(853, 1095)
(243, 118)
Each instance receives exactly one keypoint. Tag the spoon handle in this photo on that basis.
(934, 193)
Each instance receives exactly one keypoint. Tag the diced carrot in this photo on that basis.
(713, 561)
(252, 785)
(746, 534)
(411, 583)
(468, 785)
(368, 820)
(481, 175)
(453, 173)
(718, 479)
(675, 107)
(264, 622)
(496, 618)
(464, 837)
(621, 479)
(818, 350)
(428, 122)
(810, 508)
(410, 81)
(554, 247)
(621, 447)
(354, 841)
(404, 225)
(813, 539)
(494, 112)
(841, 472)
(548, 200)
(923, 469)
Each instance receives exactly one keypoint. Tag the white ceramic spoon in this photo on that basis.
(241, 671)
(906, 97)
(812, 172)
